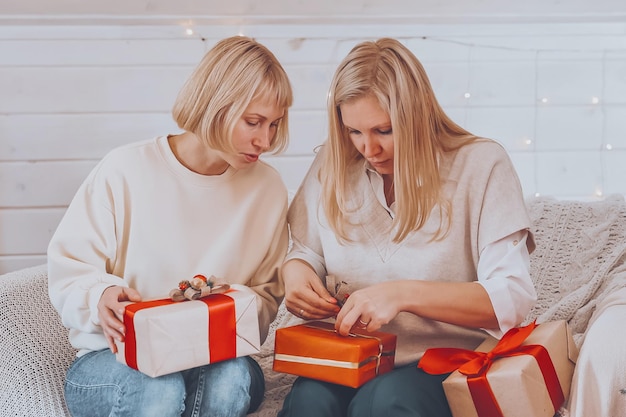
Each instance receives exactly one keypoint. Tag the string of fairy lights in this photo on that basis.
(541, 101)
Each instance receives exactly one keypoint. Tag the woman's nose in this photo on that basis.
(264, 139)
(371, 147)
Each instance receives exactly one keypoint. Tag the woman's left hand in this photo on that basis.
(369, 308)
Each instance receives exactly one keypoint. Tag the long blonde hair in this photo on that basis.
(422, 132)
(236, 71)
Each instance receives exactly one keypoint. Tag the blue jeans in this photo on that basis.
(98, 385)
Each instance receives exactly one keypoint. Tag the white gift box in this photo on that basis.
(163, 336)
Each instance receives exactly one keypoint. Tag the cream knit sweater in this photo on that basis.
(487, 205)
(143, 220)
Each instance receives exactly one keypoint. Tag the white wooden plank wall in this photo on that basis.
(554, 95)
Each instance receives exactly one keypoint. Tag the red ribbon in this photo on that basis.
(222, 325)
(475, 366)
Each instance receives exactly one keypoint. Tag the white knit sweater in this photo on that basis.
(143, 220)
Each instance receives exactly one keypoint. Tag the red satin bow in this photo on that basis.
(470, 362)
(476, 364)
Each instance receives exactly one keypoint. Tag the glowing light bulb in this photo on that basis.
(189, 31)
(467, 95)
(595, 100)
(544, 100)
(609, 147)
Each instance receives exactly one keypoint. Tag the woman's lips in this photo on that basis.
(251, 157)
(378, 163)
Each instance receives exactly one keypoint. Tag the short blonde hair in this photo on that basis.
(390, 72)
(236, 71)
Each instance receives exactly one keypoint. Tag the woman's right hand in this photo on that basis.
(111, 307)
(305, 294)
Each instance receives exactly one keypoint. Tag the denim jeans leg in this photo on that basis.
(313, 398)
(230, 388)
(98, 385)
(404, 392)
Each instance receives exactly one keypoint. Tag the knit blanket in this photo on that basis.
(579, 259)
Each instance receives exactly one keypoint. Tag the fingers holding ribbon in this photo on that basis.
(369, 308)
(352, 318)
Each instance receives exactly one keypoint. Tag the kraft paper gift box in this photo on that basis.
(164, 336)
(315, 350)
(528, 373)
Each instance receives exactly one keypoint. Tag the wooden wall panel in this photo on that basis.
(26, 232)
(41, 183)
(89, 89)
(13, 263)
(71, 93)
(100, 52)
(76, 136)
(292, 168)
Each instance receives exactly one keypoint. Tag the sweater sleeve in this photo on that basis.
(80, 254)
(303, 218)
(502, 206)
(267, 282)
(503, 238)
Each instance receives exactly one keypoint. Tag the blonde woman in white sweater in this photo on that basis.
(424, 222)
(159, 211)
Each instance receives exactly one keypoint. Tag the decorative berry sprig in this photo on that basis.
(199, 286)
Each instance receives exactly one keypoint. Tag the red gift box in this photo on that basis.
(527, 373)
(315, 350)
(163, 336)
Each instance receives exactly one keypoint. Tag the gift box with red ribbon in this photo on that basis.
(527, 373)
(164, 336)
(315, 350)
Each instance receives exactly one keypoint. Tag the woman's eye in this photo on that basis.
(252, 122)
(385, 131)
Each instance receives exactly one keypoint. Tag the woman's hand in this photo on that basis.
(369, 308)
(111, 311)
(305, 294)
(464, 304)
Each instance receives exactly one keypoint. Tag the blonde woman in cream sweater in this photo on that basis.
(424, 222)
(159, 211)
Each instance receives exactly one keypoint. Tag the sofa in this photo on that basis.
(578, 269)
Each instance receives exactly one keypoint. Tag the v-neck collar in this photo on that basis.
(374, 216)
